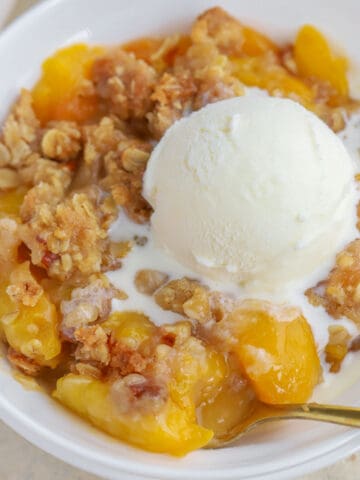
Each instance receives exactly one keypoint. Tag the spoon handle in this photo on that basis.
(349, 416)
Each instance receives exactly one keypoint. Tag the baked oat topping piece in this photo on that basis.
(4, 155)
(124, 170)
(206, 64)
(102, 138)
(334, 117)
(201, 76)
(121, 159)
(86, 369)
(99, 140)
(134, 158)
(173, 97)
(339, 294)
(148, 281)
(70, 238)
(92, 345)
(175, 293)
(337, 346)
(215, 81)
(124, 83)
(23, 287)
(9, 244)
(116, 347)
(136, 393)
(25, 364)
(198, 306)
(228, 34)
(20, 133)
(87, 305)
(61, 141)
(174, 335)
(190, 298)
(221, 305)
(9, 179)
(50, 182)
(43, 170)
(125, 360)
(218, 27)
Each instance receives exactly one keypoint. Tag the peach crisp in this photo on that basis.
(73, 152)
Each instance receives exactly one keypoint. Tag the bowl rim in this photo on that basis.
(72, 453)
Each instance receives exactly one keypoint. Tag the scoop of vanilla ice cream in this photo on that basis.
(256, 190)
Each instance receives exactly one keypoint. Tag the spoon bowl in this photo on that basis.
(340, 415)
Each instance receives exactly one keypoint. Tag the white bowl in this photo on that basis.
(5, 8)
(285, 451)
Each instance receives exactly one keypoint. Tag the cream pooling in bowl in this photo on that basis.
(255, 190)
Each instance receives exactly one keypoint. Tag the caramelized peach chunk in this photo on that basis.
(256, 43)
(130, 328)
(159, 52)
(32, 331)
(259, 72)
(337, 346)
(11, 201)
(234, 402)
(168, 431)
(143, 48)
(315, 58)
(339, 293)
(197, 374)
(276, 350)
(64, 91)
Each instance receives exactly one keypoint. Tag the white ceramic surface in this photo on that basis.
(282, 452)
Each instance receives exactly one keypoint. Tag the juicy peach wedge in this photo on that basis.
(197, 372)
(258, 72)
(234, 402)
(256, 43)
(143, 48)
(276, 350)
(169, 431)
(129, 327)
(63, 91)
(31, 330)
(197, 369)
(159, 52)
(314, 57)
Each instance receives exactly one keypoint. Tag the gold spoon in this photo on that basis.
(349, 416)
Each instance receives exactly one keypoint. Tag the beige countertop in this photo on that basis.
(22, 461)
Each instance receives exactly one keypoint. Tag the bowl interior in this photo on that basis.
(281, 451)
